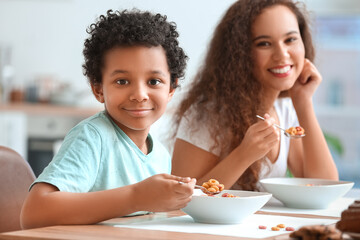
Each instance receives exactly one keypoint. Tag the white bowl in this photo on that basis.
(225, 210)
(294, 192)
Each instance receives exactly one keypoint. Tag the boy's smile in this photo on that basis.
(138, 112)
(135, 87)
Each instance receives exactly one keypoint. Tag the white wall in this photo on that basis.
(46, 36)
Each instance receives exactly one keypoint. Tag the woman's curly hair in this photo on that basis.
(132, 28)
(225, 95)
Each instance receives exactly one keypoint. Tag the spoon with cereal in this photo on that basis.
(292, 132)
(211, 187)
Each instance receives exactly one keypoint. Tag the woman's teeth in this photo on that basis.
(280, 70)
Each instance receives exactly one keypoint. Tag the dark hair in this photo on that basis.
(132, 28)
(225, 95)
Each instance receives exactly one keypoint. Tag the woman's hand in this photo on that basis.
(260, 138)
(163, 192)
(306, 84)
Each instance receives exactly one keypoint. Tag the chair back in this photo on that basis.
(16, 177)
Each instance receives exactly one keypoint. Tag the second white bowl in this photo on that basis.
(306, 193)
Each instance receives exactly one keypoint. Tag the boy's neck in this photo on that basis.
(141, 140)
(139, 137)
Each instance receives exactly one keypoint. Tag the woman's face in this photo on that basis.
(277, 48)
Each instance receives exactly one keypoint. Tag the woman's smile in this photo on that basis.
(281, 71)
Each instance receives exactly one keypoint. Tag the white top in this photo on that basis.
(287, 118)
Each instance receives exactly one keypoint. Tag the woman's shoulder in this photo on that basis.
(197, 132)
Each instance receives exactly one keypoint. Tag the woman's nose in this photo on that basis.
(280, 52)
(139, 93)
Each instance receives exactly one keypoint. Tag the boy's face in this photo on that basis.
(135, 87)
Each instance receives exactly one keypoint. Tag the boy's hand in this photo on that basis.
(163, 192)
(260, 138)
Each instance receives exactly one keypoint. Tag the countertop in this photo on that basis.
(50, 109)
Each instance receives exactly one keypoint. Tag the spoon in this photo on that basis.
(206, 191)
(286, 133)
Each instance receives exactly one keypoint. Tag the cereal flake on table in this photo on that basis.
(278, 227)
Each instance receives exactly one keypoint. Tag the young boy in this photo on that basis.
(108, 165)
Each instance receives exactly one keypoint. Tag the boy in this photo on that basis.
(107, 164)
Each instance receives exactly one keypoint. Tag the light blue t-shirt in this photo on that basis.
(97, 155)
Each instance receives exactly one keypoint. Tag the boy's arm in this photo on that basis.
(46, 205)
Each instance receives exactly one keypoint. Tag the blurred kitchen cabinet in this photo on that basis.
(13, 128)
(35, 130)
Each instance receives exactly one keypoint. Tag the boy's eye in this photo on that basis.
(154, 82)
(122, 82)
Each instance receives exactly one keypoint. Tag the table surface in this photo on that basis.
(106, 229)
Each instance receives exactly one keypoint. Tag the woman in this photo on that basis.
(259, 62)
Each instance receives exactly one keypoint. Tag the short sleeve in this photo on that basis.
(199, 136)
(74, 168)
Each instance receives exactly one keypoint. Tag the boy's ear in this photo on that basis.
(172, 90)
(98, 92)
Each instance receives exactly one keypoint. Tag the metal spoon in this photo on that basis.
(286, 133)
(206, 191)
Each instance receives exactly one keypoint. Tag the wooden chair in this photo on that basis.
(16, 177)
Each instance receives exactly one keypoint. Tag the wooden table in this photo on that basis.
(105, 230)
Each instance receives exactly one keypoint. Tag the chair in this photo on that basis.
(15, 178)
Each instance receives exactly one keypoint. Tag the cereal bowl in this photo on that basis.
(225, 210)
(306, 193)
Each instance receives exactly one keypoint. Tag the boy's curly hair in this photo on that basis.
(132, 28)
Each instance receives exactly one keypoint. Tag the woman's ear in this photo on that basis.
(98, 92)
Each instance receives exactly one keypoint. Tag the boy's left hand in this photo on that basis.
(307, 83)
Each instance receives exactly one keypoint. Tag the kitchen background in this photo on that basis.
(43, 92)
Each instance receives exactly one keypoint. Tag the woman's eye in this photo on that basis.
(122, 82)
(154, 82)
(292, 39)
(263, 44)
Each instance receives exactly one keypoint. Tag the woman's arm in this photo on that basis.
(202, 165)
(189, 160)
(309, 157)
(46, 205)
